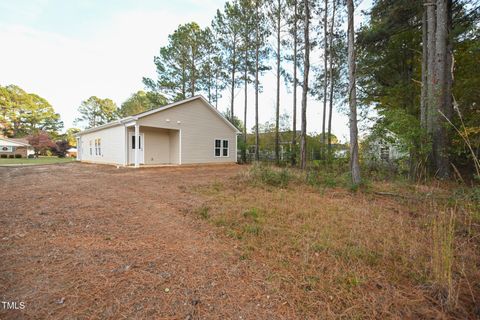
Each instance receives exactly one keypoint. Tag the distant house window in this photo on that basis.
(385, 153)
(221, 148)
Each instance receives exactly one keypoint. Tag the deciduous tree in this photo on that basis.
(41, 142)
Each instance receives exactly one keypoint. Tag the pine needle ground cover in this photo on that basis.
(223, 242)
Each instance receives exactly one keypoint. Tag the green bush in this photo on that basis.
(18, 156)
(11, 156)
(3, 156)
(271, 176)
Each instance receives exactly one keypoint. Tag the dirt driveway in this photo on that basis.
(82, 241)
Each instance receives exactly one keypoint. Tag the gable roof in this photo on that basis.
(160, 109)
(14, 142)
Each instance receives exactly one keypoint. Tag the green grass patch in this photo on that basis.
(253, 229)
(269, 175)
(351, 252)
(203, 212)
(31, 162)
(252, 214)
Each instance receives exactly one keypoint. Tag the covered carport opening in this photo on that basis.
(157, 146)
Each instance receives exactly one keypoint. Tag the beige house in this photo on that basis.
(15, 148)
(191, 131)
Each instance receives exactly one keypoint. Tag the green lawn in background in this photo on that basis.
(31, 162)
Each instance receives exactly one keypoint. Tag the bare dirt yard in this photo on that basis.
(82, 241)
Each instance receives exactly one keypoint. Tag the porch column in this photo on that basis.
(137, 140)
(79, 148)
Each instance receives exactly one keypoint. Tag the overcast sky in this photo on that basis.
(67, 51)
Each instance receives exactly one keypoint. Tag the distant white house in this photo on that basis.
(72, 152)
(190, 131)
(386, 148)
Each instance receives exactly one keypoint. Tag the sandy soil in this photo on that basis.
(81, 241)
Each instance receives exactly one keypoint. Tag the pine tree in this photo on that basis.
(227, 26)
(306, 70)
(352, 98)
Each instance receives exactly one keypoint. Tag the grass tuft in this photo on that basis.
(203, 212)
(443, 235)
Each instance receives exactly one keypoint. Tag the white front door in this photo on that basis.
(131, 148)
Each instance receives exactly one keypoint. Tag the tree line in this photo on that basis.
(247, 38)
(418, 69)
(413, 63)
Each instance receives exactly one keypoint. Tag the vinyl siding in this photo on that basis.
(113, 146)
(193, 125)
(174, 146)
(199, 126)
(157, 146)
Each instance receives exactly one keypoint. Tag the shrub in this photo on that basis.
(18, 156)
(3, 156)
(270, 175)
(328, 178)
(11, 156)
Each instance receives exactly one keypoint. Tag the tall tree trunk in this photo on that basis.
(294, 133)
(330, 106)
(416, 158)
(449, 98)
(234, 66)
(216, 89)
(244, 150)
(439, 141)
(352, 98)
(306, 70)
(257, 44)
(210, 84)
(193, 79)
(423, 96)
(184, 83)
(325, 76)
(277, 107)
(431, 30)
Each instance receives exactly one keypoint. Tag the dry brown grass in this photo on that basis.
(336, 254)
(227, 244)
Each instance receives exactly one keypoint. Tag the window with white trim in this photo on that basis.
(225, 148)
(90, 143)
(221, 148)
(99, 146)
